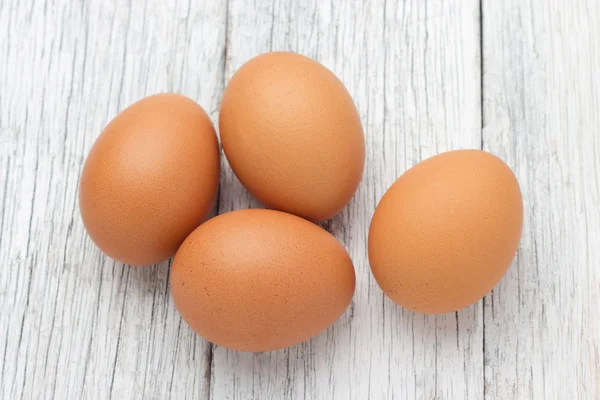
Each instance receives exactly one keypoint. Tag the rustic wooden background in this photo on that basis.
(517, 78)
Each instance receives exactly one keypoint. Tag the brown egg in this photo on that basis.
(150, 179)
(446, 231)
(259, 280)
(292, 135)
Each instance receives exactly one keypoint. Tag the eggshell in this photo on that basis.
(259, 280)
(446, 231)
(150, 179)
(292, 135)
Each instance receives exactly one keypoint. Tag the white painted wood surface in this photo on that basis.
(413, 69)
(542, 114)
(74, 324)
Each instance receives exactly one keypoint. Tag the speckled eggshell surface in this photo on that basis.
(259, 280)
(446, 231)
(292, 135)
(150, 179)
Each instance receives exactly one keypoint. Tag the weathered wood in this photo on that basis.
(413, 70)
(541, 114)
(74, 324)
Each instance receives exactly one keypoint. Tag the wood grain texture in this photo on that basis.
(541, 103)
(74, 324)
(413, 70)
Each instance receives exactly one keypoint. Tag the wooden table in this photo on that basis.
(516, 78)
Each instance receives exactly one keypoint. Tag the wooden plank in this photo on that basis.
(74, 324)
(541, 103)
(413, 68)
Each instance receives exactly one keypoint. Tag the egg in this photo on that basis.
(259, 280)
(292, 135)
(446, 231)
(150, 179)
